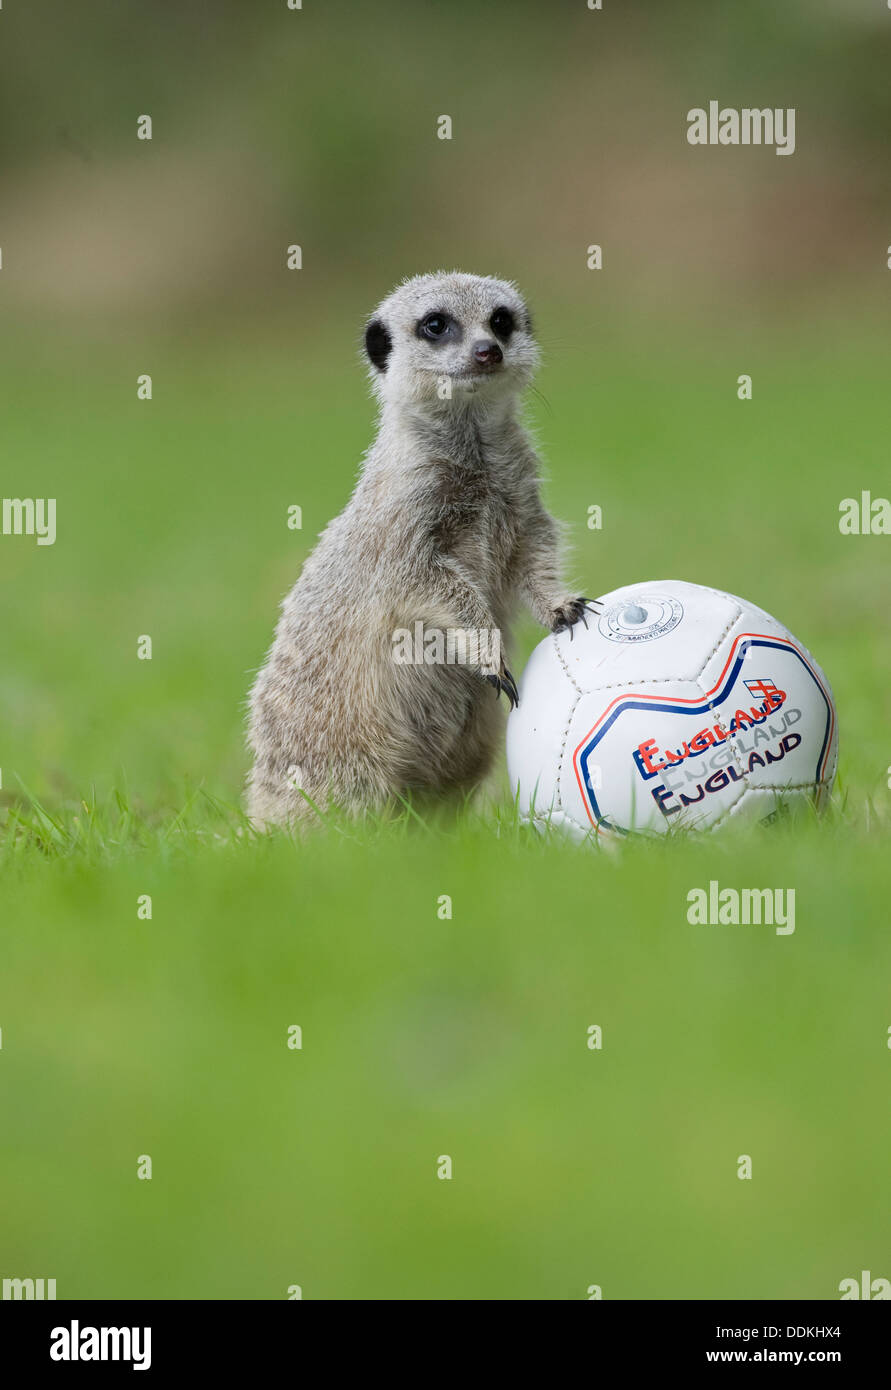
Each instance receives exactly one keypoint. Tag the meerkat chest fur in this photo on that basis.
(476, 486)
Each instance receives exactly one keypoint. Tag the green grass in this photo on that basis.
(424, 1037)
(421, 1036)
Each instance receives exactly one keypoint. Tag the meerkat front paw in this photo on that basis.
(570, 612)
(505, 681)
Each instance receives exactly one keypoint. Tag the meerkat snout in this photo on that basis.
(487, 354)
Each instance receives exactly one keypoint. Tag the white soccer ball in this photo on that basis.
(677, 706)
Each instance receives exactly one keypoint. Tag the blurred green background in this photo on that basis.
(121, 777)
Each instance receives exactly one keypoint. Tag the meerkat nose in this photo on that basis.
(487, 353)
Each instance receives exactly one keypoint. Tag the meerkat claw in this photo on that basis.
(505, 682)
(568, 614)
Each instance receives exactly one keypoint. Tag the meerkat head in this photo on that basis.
(451, 337)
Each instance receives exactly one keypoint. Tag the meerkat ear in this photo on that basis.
(378, 343)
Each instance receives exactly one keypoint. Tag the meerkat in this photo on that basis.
(445, 528)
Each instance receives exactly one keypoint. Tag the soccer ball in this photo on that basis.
(678, 705)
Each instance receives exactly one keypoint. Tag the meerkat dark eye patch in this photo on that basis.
(378, 344)
(436, 326)
(502, 323)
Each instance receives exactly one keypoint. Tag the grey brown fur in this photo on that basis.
(446, 527)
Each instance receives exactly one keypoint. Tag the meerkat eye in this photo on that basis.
(502, 323)
(433, 326)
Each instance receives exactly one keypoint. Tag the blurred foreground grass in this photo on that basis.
(467, 1037)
